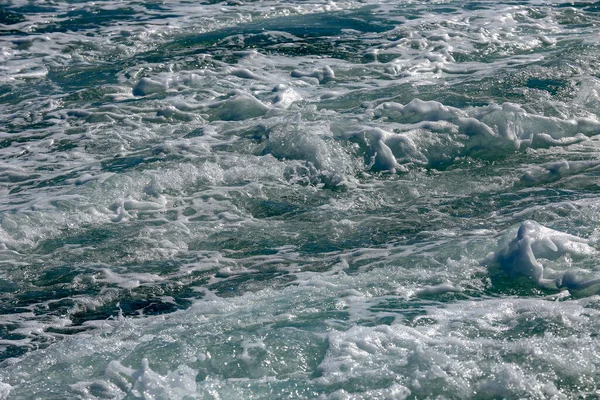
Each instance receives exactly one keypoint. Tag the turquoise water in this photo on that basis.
(366, 199)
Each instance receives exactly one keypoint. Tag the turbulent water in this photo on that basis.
(363, 199)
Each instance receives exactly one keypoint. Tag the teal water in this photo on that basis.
(368, 199)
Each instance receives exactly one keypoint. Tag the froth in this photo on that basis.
(259, 200)
(532, 251)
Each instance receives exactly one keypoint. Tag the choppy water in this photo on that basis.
(338, 200)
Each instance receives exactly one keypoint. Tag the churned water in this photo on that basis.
(362, 199)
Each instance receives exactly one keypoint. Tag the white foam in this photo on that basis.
(244, 73)
(429, 133)
(455, 350)
(553, 171)
(285, 96)
(4, 390)
(323, 75)
(129, 281)
(535, 245)
(394, 392)
(147, 384)
(238, 107)
(188, 162)
(436, 289)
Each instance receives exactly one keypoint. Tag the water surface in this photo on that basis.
(368, 199)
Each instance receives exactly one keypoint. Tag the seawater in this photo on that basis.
(363, 199)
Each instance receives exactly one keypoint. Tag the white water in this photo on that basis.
(331, 200)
